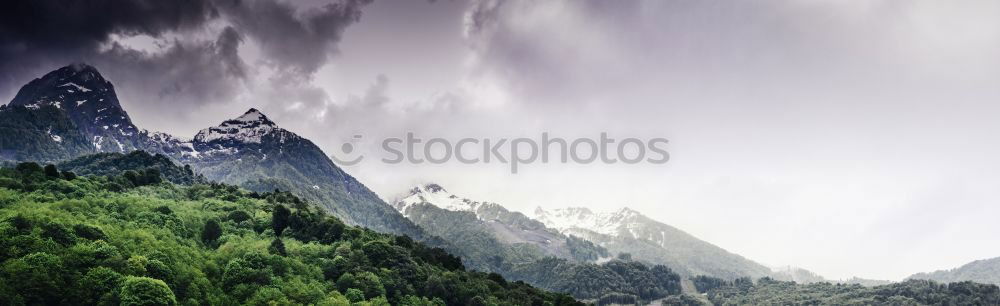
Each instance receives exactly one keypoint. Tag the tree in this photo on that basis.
(239, 216)
(146, 291)
(279, 219)
(28, 168)
(51, 171)
(211, 232)
(346, 281)
(35, 277)
(354, 295)
(151, 176)
(277, 247)
(370, 284)
(68, 175)
(132, 177)
(101, 285)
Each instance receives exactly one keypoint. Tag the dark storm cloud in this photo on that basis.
(297, 43)
(226, 47)
(36, 34)
(193, 57)
(44, 24)
(184, 72)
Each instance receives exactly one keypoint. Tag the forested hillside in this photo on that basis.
(767, 291)
(137, 239)
(985, 271)
(104, 164)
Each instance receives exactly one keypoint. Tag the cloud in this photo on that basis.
(35, 34)
(178, 56)
(298, 43)
(179, 77)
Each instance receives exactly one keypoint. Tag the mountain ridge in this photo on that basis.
(429, 205)
(73, 111)
(986, 271)
(628, 231)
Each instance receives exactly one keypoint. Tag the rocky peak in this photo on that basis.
(436, 195)
(247, 128)
(76, 82)
(254, 116)
(88, 100)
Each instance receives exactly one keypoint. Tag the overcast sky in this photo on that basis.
(850, 138)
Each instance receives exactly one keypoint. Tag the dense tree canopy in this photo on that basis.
(114, 240)
(914, 292)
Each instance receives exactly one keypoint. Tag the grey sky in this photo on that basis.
(850, 138)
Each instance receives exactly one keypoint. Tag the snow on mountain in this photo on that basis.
(171, 145)
(441, 212)
(248, 128)
(435, 195)
(606, 223)
(628, 231)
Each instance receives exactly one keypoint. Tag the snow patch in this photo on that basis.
(78, 87)
(97, 142)
(54, 137)
(617, 223)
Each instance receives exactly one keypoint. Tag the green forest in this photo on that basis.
(767, 291)
(135, 229)
(138, 238)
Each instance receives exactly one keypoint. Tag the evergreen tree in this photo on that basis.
(51, 171)
(279, 219)
(277, 247)
(211, 232)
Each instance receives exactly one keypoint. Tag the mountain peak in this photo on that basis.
(434, 188)
(436, 195)
(76, 82)
(429, 188)
(78, 71)
(247, 128)
(254, 115)
(88, 100)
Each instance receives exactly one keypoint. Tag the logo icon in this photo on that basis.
(347, 148)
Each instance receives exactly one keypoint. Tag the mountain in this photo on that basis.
(44, 134)
(986, 271)
(74, 111)
(490, 237)
(628, 231)
(88, 101)
(254, 152)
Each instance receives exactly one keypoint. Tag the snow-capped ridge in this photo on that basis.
(247, 128)
(574, 218)
(436, 195)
